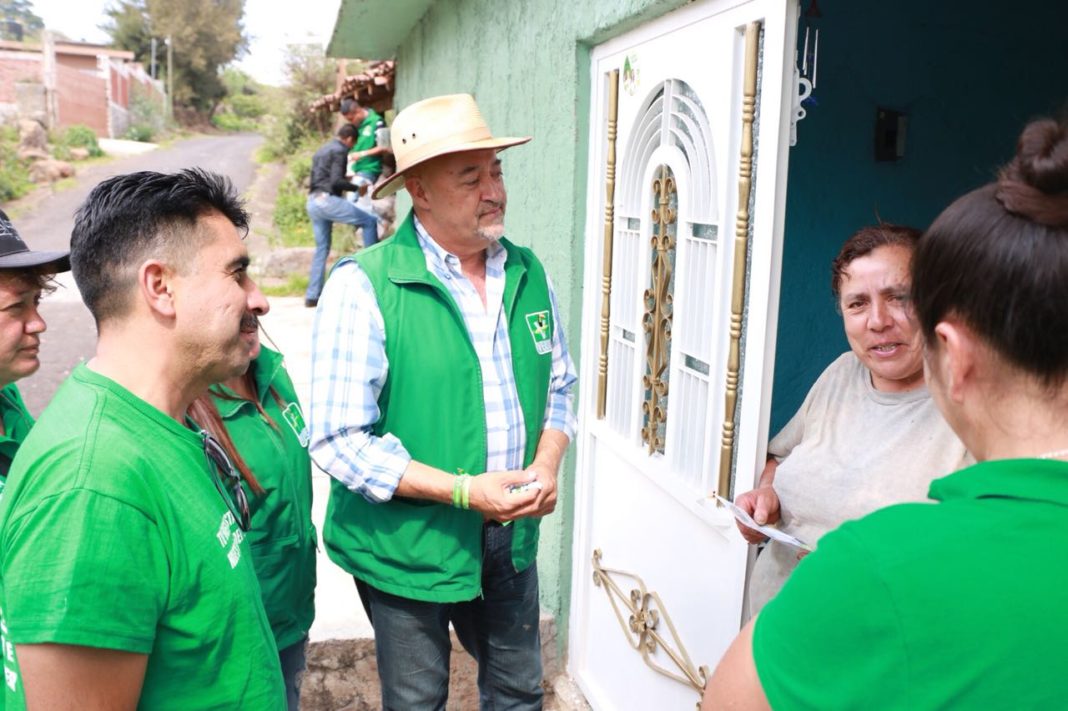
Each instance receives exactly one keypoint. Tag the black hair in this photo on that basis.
(130, 218)
(865, 241)
(997, 258)
(348, 105)
(347, 131)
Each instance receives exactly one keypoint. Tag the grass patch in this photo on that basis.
(14, 173)
(295, 285)
(64, 184)
(292, 226)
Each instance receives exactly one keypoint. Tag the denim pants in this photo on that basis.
(293, 666)
(499, 629)
(324, 210)
(364, 202)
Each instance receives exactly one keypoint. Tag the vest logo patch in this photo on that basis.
(295, 418)
(538, 323)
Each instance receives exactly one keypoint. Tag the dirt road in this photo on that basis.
(46, 222)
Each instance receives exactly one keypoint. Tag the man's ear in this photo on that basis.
(155, 282)
(957, 350)
(417, 191)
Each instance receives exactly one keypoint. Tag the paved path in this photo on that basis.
(46, 223)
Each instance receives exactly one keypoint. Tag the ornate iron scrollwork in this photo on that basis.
(658, 310)
(640, 614)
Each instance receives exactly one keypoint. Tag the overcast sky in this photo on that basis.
(270, 25)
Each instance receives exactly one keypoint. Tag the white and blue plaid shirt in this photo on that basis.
(349, 369)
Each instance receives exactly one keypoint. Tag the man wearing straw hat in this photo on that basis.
(441, 406)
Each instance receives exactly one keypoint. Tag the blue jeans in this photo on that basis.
(364, 202)
(324, 210)
(293, 666)
(499, 629)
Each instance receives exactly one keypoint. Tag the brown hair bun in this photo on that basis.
(1034, 185)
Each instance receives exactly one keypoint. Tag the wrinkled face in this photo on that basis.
(879, 324)
(461, 197)
(218, 305)
(21, 327)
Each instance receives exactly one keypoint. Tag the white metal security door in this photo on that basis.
(685, 205)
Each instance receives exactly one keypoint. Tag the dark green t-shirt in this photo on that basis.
(367, 138)
(114, 533)
(958, 604)
(282, 535)
(17, 424)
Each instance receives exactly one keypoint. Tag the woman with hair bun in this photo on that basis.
(959, 603)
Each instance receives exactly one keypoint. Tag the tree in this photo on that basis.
(205, 35)
(21, 12)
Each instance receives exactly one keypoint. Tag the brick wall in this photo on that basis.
(81, 99)
(15, 67)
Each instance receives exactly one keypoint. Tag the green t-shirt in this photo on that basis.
(17, 424)
(957, 604)
(282, 536)
(115, 534)
(366, 139)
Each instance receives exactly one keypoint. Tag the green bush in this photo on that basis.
(248, 106)
(14, 173)
(81, 136)
(293, 228)
(146, 117)
(232, 122)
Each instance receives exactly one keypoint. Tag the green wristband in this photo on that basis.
(457, 486)
(465, 501)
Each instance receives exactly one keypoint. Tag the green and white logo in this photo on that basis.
(295, 418)
(540, 331)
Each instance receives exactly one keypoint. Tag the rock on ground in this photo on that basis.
(32, 135)
(50, 170)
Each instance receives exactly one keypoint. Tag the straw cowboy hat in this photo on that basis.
(436, 127)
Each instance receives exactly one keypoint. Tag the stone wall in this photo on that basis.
(17, 67)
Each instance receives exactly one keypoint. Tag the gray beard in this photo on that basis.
(491, 233)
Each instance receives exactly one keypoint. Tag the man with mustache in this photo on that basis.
(24, 276)
(441, 407)
(125, 577)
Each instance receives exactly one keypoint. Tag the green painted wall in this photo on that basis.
(527, 64)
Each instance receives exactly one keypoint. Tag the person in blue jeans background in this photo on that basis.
(326, 206)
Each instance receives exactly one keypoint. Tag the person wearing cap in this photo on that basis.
(325, 205)
(441, 406)
(126, 577)
(24, 276)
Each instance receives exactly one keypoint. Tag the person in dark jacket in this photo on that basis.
(326, 206)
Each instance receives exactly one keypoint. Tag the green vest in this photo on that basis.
(432, 402)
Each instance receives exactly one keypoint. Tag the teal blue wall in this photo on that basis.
(968, 74)
(527, 63)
